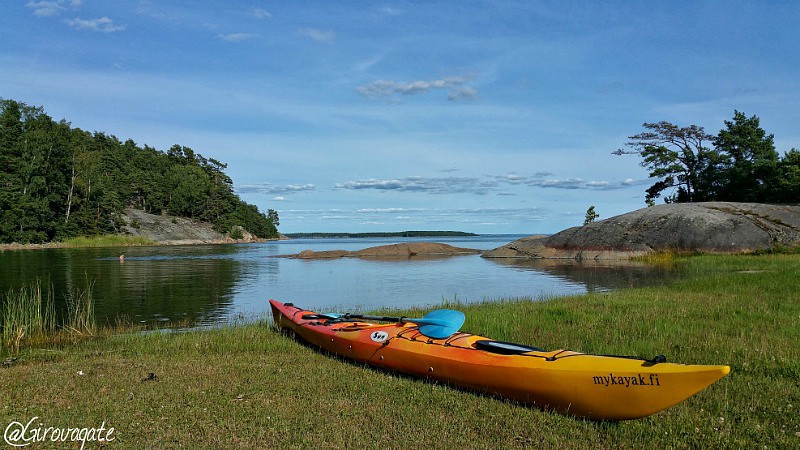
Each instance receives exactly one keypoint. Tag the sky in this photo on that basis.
(477, 116)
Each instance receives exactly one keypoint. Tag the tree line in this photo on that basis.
(58, 182)
(739, 164)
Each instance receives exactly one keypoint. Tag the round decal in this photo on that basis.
(379, 336)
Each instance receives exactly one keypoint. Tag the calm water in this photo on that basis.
(204, 285)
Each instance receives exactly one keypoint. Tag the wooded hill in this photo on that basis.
(58, 182)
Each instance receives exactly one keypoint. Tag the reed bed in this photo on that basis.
(28, 317)
(27, 314)
(109, 240)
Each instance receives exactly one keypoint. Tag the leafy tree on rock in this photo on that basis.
(677, 156)
(591, 216)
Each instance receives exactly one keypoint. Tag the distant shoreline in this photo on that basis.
(227, 240)
(52, 245)
(322, 235)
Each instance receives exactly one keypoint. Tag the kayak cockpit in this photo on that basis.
(505, 348)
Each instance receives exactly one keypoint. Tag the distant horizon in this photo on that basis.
(379, 232)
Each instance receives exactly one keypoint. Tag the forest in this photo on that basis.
(58, 182)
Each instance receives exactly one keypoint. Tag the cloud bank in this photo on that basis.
(384, 89)
(103, 24)
(398, 218)
(236, 37)
(482, 185)
(321, 36)
(51, 8)
(267, 188)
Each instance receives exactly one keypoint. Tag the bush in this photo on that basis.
(236, 232)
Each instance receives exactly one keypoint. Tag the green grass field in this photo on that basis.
(250, 387)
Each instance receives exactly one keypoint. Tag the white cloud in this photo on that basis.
(482, 185)
(388, 89)
(390, 11)
(321, 36)
(421, 184)
(412, 217)
(103, 24)
(260, 13)
(46, 8)
(387, 210)
(236, 37)
(463, 93)
(268, 188)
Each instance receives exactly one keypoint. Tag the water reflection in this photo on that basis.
(201, 285)
(187, 284)
(594, 275)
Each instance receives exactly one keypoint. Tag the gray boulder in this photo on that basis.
(709, 227)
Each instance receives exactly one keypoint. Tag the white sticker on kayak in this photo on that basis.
(379, 336)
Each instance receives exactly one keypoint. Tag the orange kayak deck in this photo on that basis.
(579, 384)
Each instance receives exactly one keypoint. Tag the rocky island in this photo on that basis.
(419, 250)
(712, 227)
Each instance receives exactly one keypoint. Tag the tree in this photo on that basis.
(750, 170)
(789, 185)
(676, 156)
(190, 187)
(591, 216)
(33, 158)
(10, 154)
(272, 215)
(743, 166)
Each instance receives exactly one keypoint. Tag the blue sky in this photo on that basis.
(481, 116)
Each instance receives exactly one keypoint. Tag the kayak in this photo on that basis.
(597, 387)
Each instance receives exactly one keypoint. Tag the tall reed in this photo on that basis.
(26, 314)
(80, 312)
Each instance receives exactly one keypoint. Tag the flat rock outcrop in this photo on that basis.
(175, 230)
(392, 251)
(709, 227)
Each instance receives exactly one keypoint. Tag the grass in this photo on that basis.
(108, 240)
(249, 387)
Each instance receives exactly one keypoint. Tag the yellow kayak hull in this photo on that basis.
(584, 385)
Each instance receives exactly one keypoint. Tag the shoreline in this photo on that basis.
(51, 245)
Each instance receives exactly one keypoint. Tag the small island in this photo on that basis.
(416, 250)
(389, 234)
